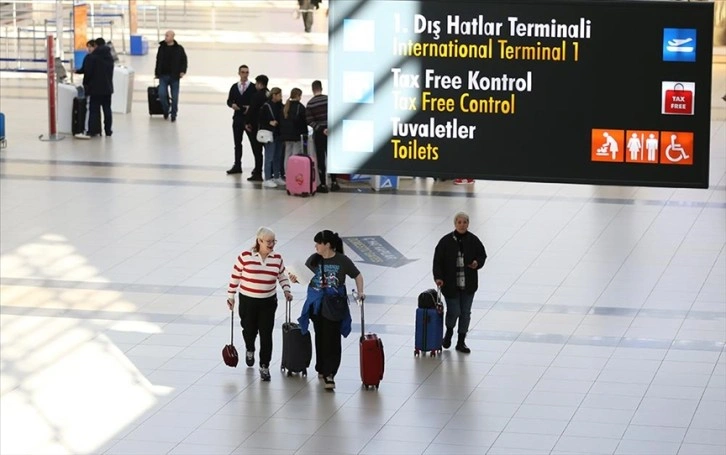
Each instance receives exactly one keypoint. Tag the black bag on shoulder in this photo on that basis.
(428, 298)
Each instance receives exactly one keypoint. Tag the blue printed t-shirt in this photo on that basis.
(335, 269)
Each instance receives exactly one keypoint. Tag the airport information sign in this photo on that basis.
(599, 92)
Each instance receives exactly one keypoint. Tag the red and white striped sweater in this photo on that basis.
(257, 278)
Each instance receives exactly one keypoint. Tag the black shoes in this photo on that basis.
(250, 358)
(329, 382)
(173, 118)
(265, 374)
(234, 170)
(166, 116)
(322, 188)
(334, 186)
(461, 346)
(254, 178)
(446, 343)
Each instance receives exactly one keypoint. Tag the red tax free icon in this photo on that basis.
(678, 98)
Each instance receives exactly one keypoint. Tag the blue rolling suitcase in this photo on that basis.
(3, 141)
(429, 323)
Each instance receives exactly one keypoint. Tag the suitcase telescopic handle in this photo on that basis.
(361, 303)
(288, 309)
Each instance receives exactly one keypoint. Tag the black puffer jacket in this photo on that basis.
(445, 256)
(170, 60)
(98, 76)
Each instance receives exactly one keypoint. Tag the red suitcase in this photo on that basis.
(372, 359)
(300, 174)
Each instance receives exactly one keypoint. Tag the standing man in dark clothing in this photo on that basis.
(171, 66)
(98, 74)
(317, 115)
(240, 96)
(252, 124)
(87, 62)
(457, 259)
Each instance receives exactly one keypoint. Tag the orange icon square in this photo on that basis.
(676, 148)
(641, 147)
(607, 145)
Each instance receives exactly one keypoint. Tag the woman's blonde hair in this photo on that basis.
(295, 94)
(262, 233)
(275, 91)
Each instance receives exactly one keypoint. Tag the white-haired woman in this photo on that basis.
(256, 274)
(457, 259)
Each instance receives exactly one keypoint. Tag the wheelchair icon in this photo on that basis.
(675, 152)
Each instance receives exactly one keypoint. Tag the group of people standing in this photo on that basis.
(97, 70)
(458, 257)
(279, 129)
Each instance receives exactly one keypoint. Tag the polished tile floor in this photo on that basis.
(600, 327)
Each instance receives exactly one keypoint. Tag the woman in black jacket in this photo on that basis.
(294, 125)
(457, 259)
(270, 114)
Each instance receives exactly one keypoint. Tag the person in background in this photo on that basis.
(269, 120)
(252, 123)
(171, 66)
(457, 259)
(255, 274)
(317, 116)
(306, 11)
(84, 69)
(330, 267)
(100, 90)
(293, 125)
(239, 98)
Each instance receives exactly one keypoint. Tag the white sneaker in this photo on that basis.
(82, 136)
(280, 181)
(269, 184)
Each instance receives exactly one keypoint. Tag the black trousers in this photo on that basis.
(256, 151)
(238, 132)
(258, 316)
(97, 103)
(321, 153)
(327, 345)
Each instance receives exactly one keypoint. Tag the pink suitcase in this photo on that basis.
(300, 175)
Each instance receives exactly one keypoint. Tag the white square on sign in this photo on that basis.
(359, 35)
(358, 87)
(358, 136)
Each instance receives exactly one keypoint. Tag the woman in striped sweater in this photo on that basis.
(256, 274)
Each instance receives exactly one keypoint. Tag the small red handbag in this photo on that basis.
(229, 352)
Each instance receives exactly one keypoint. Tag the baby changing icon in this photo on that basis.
(678, 97)
(607, 145)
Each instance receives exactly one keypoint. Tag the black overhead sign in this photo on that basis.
(553, 91)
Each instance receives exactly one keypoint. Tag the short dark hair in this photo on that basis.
(242, 66)
(317, 85)
(91, 42)
(100, 42)
(262, 79)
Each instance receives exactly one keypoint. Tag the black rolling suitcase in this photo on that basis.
(297, 349)
(155, 107)
(78, 119)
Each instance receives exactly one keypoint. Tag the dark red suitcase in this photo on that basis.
(372, 359)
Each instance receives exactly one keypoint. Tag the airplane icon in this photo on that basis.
(677, 45)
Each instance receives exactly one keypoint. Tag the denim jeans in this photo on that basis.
(459, 307)
(166, 82)
(273, 159)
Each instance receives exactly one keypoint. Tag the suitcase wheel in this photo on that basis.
(433, 353)
(288, 192)
(289, 373)
(416, 352)
(305, 373)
